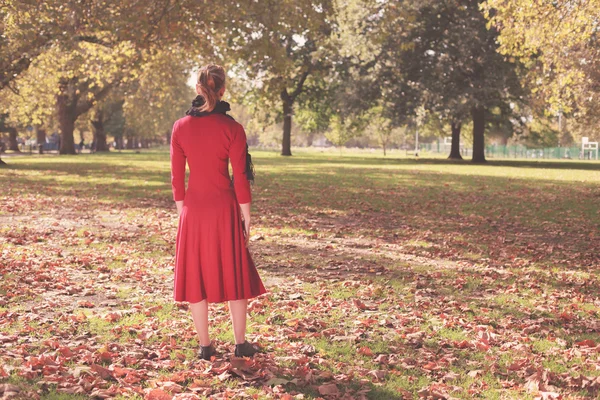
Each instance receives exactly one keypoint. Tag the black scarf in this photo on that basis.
(220, 108)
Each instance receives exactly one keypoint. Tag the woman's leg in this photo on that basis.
(238, 309)
(200, 316)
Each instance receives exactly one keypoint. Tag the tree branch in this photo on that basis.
(93, 39)
(84, 106)
(300, 83)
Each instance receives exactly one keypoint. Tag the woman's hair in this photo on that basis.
(211, 79)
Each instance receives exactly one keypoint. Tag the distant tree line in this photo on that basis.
(355, 71)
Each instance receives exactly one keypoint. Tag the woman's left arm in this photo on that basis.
(178, 161)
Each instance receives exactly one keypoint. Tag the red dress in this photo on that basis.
(211, 261)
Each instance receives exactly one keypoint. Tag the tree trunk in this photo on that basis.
(144, 143)
(384, 154)
(478, 114)
(41, 139)
(119, 141)
(286, 143)
(97, 123)
(69, 106)
(129, 145)
(67, 141)
(168, 138)
(66, 102)
(12, 139)
(455, 147)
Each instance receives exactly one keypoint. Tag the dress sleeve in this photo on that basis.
(237, 155)
(178, 160)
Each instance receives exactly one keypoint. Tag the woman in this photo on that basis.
(212, 262)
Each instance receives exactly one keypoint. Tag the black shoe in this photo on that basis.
(245, 350)
(206, 352)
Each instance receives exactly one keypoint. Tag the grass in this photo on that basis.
(412, 267)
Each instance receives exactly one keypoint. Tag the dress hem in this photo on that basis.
(221, 301)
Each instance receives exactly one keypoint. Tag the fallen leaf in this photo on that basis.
(365, 351)
(104, 373)
(328, 389)
(276, 382)
(158, 394)
(586, 343)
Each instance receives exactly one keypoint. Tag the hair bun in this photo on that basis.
(211, 79)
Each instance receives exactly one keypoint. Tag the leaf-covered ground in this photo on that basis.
(387, 279)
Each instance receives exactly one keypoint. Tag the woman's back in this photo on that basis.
(208, 143)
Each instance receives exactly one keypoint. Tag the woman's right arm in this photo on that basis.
(237, 155)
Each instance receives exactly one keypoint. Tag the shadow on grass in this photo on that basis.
(484, 289)
(538, 221)
(342, 160)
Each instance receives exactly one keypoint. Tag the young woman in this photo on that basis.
(212, 262)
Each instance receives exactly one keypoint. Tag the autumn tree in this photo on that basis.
(452, 60)
(558, 42)
(88, 54)
(367, 73)
(436, 54)
(28, 28)
(280, 49)
(159, 96)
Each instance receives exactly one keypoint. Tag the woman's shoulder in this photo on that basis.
(219, 121)
(181, 123)
(183, 120)
(228, 120)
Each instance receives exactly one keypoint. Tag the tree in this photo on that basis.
(159, 96)
(341, 130)
(20, 43)
(28, 106)
(30, 28)
(5, 126)
(381, 128)
(88, 54)
(454, 63)
(558, 42)
(85, 77)
(97, 122)
(436, 54)
(280, 50)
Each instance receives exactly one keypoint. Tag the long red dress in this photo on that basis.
(212, 261)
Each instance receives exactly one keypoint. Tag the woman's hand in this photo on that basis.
(179, 207)
(246, 217)
(247, 231)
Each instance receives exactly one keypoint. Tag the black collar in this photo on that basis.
(220, 108)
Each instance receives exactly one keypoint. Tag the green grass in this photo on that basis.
(410, 259)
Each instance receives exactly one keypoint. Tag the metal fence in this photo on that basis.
(515, 151)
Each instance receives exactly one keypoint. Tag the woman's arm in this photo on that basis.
(237, 155)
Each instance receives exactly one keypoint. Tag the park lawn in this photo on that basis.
(388, 278)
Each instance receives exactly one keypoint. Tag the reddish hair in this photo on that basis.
(211, 79)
